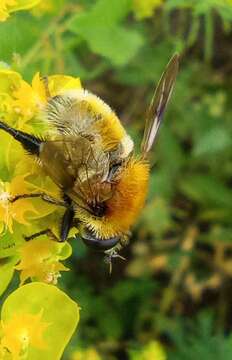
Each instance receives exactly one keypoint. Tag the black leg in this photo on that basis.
(43, 196)
(67, 223)
(47, 232)
(30, 142)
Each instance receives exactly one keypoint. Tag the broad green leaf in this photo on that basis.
(101, 29)
(9, 243)
(126, 43)
(58, 311)
(105, 13)
(65, 250)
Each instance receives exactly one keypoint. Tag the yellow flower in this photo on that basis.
(59, 83)
(4, 4)
(20, 332)
(144, 8)
(153, 350)
(17, 210)
(40, 260)
(20, 100)
(8, 6)
(88, 354)
(29, 99)
(9, 80)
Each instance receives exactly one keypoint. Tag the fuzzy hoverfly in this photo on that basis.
(91, 159)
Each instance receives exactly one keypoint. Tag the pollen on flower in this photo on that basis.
(17, 110)
(52, 277)
(5, 197)
(20, 332)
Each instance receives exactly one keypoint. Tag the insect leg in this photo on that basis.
(67, 223)
(43, 196)
(29, 142)
(47, 232)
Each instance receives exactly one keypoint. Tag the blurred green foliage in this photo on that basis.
(175, 286)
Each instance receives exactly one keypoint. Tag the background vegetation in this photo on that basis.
(175, 286)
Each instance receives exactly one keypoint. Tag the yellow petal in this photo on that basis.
(60, 83)
(9, 80)
(21, 331)
(40, 260)
(39, 87)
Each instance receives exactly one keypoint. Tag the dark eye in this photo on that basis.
(90, 239)
(99, 209)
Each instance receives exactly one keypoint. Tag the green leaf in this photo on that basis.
(58, 311)
(101, 29)
(65, 250)
(207, 190)
(105, 13)
(216, 139)
(6, 272)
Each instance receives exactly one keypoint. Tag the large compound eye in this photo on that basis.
(90, 239)
(99, 209)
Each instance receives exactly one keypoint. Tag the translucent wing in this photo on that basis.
(159, 103)
(78, 166)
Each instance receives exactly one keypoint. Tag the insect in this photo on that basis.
(91, 159)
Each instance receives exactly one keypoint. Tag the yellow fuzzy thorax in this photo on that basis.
(126, 203)
(108, 125)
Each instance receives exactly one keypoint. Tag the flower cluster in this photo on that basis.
(37, 321)
(21, 331)
(40, 260)
(20, 107)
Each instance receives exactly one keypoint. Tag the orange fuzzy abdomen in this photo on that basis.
(126, 203)
(128, 200)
